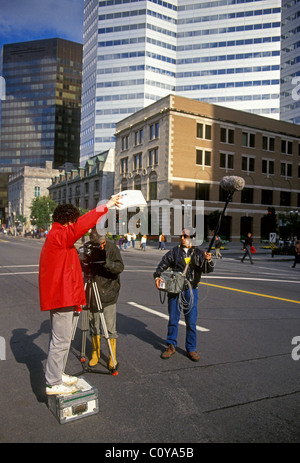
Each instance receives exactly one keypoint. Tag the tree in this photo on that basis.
(42, 209)
(289, 225)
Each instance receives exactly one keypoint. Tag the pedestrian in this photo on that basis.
(162, 242)
(133, 238)
(143, 242)
(176, 259)
(218, 244)
(247, 248)
(121, 240)
(61, 286)
(107, 277)
(297, 254)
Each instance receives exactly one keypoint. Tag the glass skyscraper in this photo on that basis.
(225, 52)
(40, 117)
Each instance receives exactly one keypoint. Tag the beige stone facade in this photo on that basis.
(24, 186)
(86, 186)
(181, 148)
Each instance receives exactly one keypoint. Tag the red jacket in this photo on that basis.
(60, 275)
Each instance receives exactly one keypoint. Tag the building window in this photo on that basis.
(286, 147)
(227, 135)
(152, 186)
(37, 191)
(137, 185)
(268, 143)
(226, 161)
(268, 166)
(125, 142)
(248, 163)
(203, 131)
(267, 197)
(86, 188)
(137, 161)
(248, 140)
(285, 198)
(124, 165)
(154, 131)
(247, 195)
(153, 157)
(138, 137)
(96, 186)
(203, 158)
(286, 169)
(202, 191)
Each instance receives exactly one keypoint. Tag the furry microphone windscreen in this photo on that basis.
(232, 183)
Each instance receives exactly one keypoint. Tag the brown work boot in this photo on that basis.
(170, 350)
(193, 356)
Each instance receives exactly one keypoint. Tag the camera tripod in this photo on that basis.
(91, 287)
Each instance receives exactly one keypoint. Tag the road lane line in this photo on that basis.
(17, 273)
(250, 292)
(159, 314)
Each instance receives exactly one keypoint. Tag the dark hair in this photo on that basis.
(65, 213)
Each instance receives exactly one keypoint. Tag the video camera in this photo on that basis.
(92, 258)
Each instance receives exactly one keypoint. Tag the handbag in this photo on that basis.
(252, 250)
(175, 282)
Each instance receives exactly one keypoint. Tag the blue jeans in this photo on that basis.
(190, 315)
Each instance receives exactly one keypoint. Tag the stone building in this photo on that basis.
(25, 185)
(178, 148)
(86, 186)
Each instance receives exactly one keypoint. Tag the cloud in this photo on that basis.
(38, 19)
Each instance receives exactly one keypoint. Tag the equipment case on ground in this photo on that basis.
(74, 406)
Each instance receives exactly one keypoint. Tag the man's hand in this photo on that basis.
(114, 201)
(158, 281)
(207, 255)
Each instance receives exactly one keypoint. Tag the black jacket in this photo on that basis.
(174, 259)
(107, 275)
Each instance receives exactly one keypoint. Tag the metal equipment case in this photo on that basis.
(74, 406)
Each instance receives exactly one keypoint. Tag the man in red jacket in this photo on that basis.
(61, 286)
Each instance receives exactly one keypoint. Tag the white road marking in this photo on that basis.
(159, 314)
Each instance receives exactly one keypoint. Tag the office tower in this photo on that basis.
(225, 52)
(40, 118)
(290, 62)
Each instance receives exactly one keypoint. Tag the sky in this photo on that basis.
(24, 20)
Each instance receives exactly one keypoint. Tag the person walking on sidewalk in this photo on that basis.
(297, 254)
(61, 286)
(247, 248)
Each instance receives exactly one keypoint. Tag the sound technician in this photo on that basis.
(176, 260)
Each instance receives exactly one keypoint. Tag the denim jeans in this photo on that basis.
(190, 315)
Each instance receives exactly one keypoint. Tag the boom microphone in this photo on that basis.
(232, 183)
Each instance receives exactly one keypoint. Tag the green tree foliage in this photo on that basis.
(41, 211)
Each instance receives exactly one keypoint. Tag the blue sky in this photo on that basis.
(23, 20)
